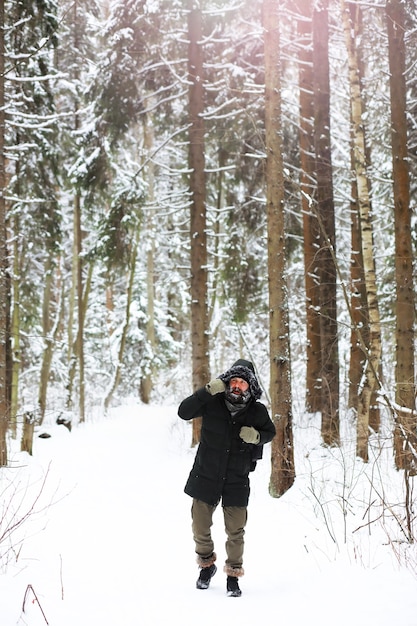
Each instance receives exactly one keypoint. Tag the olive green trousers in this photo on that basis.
(235, 518)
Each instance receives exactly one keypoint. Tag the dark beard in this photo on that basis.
(239, 399)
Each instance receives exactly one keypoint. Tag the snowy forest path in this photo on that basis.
(116, 529)
(115, 549)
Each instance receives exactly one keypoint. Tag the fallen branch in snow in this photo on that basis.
(35, 599)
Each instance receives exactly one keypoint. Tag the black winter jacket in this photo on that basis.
(223, 461)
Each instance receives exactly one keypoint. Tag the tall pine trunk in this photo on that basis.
(310, 224)
(405, 441)
(282, 458)
(199, 302)
(325, 213)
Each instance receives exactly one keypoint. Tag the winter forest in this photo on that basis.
(186, 182)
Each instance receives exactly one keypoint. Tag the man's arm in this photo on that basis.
(192, 406)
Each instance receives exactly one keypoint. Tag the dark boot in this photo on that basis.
(233, 575)
(233, 589)
(206, 574)
(207, 570)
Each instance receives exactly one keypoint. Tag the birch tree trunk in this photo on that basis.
(199, 302)
(358, 302)
(405, 440)
(80, 308)
(76, 346)
(4, 295)
(370, 377)
(359, 307)
(310, 224)
(72, 299)
(282, 470)
(325, 213)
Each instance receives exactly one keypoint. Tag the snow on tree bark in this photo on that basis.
(370, 374)
(4, 291)
(198, 282)
(282, 452)
(325, 212)
(311, 231)
(405, 440)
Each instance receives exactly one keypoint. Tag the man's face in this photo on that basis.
(238, 386)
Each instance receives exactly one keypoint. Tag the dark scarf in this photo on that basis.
(235, 403)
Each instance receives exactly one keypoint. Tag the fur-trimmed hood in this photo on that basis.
(243, 369)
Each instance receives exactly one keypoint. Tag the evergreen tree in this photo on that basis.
(31, 137)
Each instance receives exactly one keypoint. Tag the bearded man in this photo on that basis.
(235, 425)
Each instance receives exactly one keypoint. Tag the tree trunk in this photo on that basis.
(47, 340)
(73, 349)
(72, 345)
(15, 325)
(359, 307)
(370, 377)
(146, 382)
(310, 224)
(282, 471)
(50, 333)
(74, 299)
(80, 308)
(199, 304)
(4, 294)
(29, 421)
(405, 441)
(360, 322)
(217, 229)
(325, 213)
(131, 281)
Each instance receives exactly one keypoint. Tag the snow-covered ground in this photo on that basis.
(108, 542)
